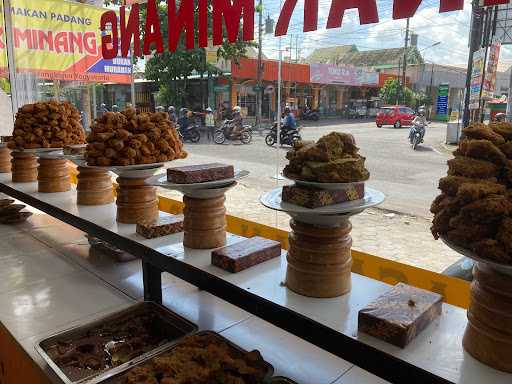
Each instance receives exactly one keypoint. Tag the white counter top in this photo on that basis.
(438, 349)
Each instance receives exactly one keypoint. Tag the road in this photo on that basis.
(408, 178)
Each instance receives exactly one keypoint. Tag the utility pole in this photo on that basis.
(259, 94)
(509, 99)
(474, 44)
(404, 66)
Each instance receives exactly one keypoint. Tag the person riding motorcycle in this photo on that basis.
(172, 114)
(115, 108)
(237, 122)
(289, 122)
(184, 122)
(159, 109)
(419, 121)
(501, 117)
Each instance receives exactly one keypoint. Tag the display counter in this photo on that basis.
(255, 300)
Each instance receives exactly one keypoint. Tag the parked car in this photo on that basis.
(397, 116)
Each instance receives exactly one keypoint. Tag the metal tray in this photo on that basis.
(176, 324)
(118, 378)
(281, 380)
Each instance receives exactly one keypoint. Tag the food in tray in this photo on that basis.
(399, 315)
(93, 350)
(316, 198)
(200, 359)
(127, 138)
(474, 210)
(200, 173)
(49, 124)
(334, 158)
(245, 254)
(164, 225)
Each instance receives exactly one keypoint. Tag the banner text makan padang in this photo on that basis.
(230, 13)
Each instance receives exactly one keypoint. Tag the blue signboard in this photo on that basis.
(442, 100)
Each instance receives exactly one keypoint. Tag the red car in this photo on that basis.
(397, 116)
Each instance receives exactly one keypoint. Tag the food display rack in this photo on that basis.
(328, 324)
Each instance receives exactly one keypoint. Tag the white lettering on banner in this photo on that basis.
(38, 14)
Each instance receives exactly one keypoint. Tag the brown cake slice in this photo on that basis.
(245, 254)
(162, 226)
(316, 198)
(200, 173)
(399, 315)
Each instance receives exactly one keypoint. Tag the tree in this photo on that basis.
(171, 71)
(391, 91)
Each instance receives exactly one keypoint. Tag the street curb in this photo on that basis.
(446, 148)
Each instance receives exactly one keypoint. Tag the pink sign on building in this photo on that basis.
(343, 75)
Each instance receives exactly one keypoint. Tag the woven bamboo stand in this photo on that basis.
(5, 159)
(488, 336)
(94, 187)
(204, 223)
(319, 260)
(24, 167)
(53, 176)
(136, 201)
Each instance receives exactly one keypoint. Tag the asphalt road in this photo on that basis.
(408, 178)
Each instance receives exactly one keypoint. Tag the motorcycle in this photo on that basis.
(288, 136)
(310, 115)
(417, 135)
(225, 133)
(191, 134)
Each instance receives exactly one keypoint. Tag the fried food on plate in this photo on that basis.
(507, 149)
(487, 210)
(441, 223)
(472, 168)
(483, 132)
(505, 234)
(503, 129)
(482, 149)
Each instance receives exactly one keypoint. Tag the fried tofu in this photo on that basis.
(472, 168)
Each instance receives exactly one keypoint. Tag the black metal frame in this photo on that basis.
(155, 263)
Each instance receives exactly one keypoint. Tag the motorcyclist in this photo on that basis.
(115, 108)
(184, 121)
(103, 108)
(172, 114)
(159, 109)
(419, 121)
(501, 117)
(237, 122)
(289, 122)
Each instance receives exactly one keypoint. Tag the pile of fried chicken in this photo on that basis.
(334, 158)
(474, 210)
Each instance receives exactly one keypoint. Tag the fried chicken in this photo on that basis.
(483, 132)
(491, 249)
(472, 168)
(482, 149)
(488, 210)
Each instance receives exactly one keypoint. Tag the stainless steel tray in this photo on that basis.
(118, 378)
(176, 324)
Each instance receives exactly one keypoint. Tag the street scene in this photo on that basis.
(399, 229)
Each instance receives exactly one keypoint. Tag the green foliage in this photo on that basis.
(391, 94)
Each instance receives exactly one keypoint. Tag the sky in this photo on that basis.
(451, 29)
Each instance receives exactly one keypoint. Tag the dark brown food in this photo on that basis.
(503, 129)
(49, 124)
(246, 254)
(315, 198)
(6, 202)
(127, 138)
(163, 226)
(334, 158)
(200, 173)
(472, 168)
(200, 359)
(11, 209)
(482, 149)
(483, 132)
(393, 319)
(487, 210)
(111, 344)
(16, 218)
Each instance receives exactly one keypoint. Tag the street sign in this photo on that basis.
(443, 93)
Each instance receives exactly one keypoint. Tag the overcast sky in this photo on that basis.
(451, 29)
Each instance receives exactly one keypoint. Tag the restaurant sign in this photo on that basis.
(227, 17)
(343, 75)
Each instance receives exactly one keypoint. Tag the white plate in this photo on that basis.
(54, 155)
(328, 186)
(503, 268)
(273, 200)
(161, 181)
(138, 171)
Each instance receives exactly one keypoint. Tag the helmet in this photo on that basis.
(183, 111)
(171, 109)
(237, 109)
(115, 108)
(159, 108)
(209, 109)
